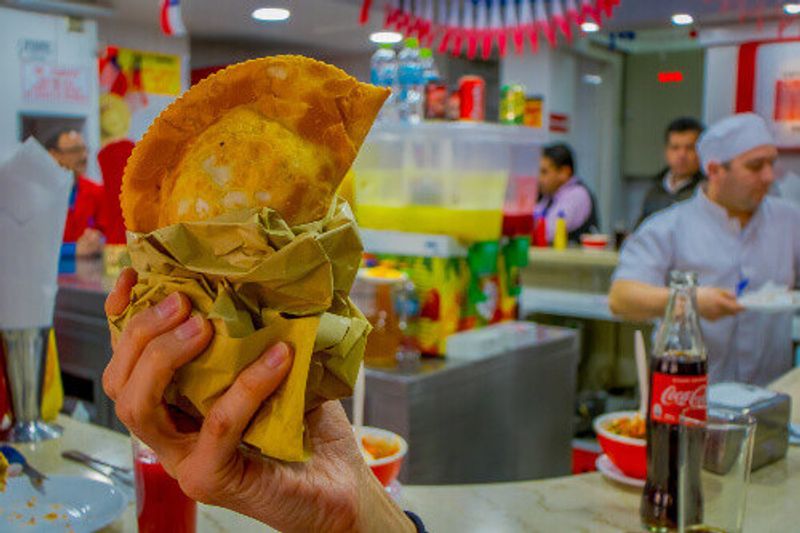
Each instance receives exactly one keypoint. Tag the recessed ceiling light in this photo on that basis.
(590, 27)
(592, 79)
(271, 14)
(791, 8)
(385, 37)
(682, 19)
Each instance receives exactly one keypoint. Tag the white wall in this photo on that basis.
(72, 49)
(719, 93)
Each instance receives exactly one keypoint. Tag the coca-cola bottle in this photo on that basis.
(678, 383)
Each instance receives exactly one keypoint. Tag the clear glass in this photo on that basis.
(715, 458)
(679, 332)
(161, 505)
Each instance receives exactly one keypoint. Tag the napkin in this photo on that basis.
(260, 281)
(34, 195)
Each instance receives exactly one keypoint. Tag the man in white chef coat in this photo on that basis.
(731, 233)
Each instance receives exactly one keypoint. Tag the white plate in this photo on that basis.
(70, 503)
(610, 470)
(771, 301)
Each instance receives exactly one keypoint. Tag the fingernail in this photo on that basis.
(190, 328)
(168, 306)
(279, 354)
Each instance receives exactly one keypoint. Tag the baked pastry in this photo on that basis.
(278, 132)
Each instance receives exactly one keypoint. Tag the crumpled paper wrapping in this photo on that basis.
(259, 281)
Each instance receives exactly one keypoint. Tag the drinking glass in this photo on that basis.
(161, 505)
(714, 460)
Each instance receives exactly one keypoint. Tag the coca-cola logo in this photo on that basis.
(692, 399)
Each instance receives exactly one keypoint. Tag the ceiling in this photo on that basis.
(650, 14)
(332, 25)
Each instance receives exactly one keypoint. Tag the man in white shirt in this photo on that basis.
(731, 230)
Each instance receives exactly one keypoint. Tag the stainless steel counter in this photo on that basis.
(505, 417)
(84, 345)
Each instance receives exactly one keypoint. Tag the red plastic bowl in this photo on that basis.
(594, 241)
(387, 468)
(628, 454)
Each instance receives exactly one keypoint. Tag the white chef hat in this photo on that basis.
(731, 137)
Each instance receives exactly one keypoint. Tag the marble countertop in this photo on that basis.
(587, 502)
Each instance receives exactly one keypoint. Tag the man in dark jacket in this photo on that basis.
(678, 181)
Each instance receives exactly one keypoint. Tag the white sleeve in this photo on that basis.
(647, 255)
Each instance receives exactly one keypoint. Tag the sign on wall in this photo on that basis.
(47, 83)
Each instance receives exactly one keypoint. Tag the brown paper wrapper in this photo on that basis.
(259, 282)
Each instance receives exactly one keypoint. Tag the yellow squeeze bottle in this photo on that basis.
(560, 237)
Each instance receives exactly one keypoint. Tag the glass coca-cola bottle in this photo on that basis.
(678, 383)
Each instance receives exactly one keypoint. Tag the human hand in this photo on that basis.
(333, 491)
(90, 243)
(714, 303)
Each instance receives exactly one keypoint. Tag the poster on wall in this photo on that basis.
(777, 90)
(135, 86)
(54, 84)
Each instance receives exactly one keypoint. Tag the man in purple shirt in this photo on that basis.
(564, 194)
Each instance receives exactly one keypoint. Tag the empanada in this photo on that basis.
(277, 132)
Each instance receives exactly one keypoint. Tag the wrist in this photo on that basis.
(376, 510)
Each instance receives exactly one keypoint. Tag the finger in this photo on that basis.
(141, 329)
(140, 406)
(226, 421)
(734, 307)
(120, 296)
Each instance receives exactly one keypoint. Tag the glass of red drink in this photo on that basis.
(161, 505)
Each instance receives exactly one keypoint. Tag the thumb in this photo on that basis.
(727, 294)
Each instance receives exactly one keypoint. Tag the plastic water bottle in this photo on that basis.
(383, 73)
(412, 83)
(430, 73)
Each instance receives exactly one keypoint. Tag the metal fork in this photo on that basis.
(112, 472)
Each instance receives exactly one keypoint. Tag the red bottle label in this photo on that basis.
(673, 395)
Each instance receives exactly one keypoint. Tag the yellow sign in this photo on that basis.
(160, 73)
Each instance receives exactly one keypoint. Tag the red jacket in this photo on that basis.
(85, 209)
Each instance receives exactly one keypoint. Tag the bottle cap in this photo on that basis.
(425, 52)
(412, 42)
(385, 45)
